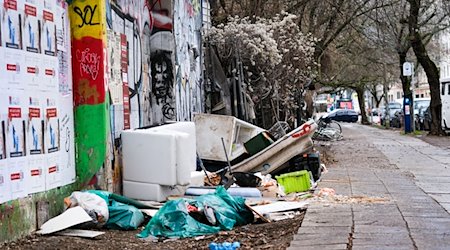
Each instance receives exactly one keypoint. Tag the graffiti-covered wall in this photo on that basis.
(187, 29)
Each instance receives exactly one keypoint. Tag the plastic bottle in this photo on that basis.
(224, 246)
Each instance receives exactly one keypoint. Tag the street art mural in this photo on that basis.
(187, 28)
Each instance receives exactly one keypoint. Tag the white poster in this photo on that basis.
(5, 188)
(15, 128)
(36, 173)
(53, 171)
(17, 168)
(51, 121)
(33, 72)
(48, 31)
(63, 50)
(3, 123)
(10, 24)
(30, 27)
(67, 155)
(12, 61)
(50, 75)
(35, 127)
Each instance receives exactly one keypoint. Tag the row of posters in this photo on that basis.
(36, 107)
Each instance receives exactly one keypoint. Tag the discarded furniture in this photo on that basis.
(157, 162)
(274, 157)
(211, 128)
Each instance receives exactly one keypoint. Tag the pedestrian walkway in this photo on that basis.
(413, 177)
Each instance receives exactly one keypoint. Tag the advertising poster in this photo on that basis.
(48, 31)
(36, 173)
(35, 127)
(67, 150)
(3, 123)
(5, 189)
(12, 61)
(15, 135)
(18, 181)
(33, 69)
(51, 134)
(30, 27)
(63, 49)
(10, 24)
(50, 75)
(53, 171)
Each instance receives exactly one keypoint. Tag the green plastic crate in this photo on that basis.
(298, 181)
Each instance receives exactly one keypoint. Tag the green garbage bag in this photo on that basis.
(174, 220)
(121, 216)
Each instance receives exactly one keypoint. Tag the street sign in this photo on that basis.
(407, 69)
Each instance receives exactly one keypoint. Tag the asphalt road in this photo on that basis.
(393, 192)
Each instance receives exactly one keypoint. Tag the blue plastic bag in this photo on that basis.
(174, 220)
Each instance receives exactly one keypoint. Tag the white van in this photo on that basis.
(445, 98)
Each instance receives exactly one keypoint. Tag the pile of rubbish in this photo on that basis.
(244, 174)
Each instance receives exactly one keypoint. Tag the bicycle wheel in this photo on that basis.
(335, 125)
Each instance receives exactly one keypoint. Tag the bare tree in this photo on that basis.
(418, 39)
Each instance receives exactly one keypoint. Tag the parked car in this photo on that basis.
(420, 105)
(393, 107)
(341, 115)
(397, 120)
(427, 119)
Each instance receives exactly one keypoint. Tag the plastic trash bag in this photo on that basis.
(174, 219)
(121, 216)
(93, 204)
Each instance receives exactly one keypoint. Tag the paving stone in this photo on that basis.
(380, 229)
(429, 223)
(321, 247)
(377, 238)
(329, 222)
(441, 197)
(323, 229)
(383, 247)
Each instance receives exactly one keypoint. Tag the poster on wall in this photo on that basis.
(35, 127)
(50, 75)
(10, 24)
(51, 121)
(67, 149)
(53, 171)
(48, 31)
(32, 71)
(114, 64)
(31, 27)
(5, 189)
(63, 49)
(11, 66)
(17, 167)
(15, 135)
(3, 123)
(36, 174)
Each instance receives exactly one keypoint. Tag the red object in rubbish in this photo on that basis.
(191, 208)
(305, 130)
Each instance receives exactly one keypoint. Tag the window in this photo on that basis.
(398, 95)
(443, 89)
(448, 89)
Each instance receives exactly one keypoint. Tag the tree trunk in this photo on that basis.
(406, 83)
(362, 105)
(428, 65)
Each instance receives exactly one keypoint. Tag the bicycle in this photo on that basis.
(328, 130)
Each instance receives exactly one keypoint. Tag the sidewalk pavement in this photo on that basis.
(411, 174)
